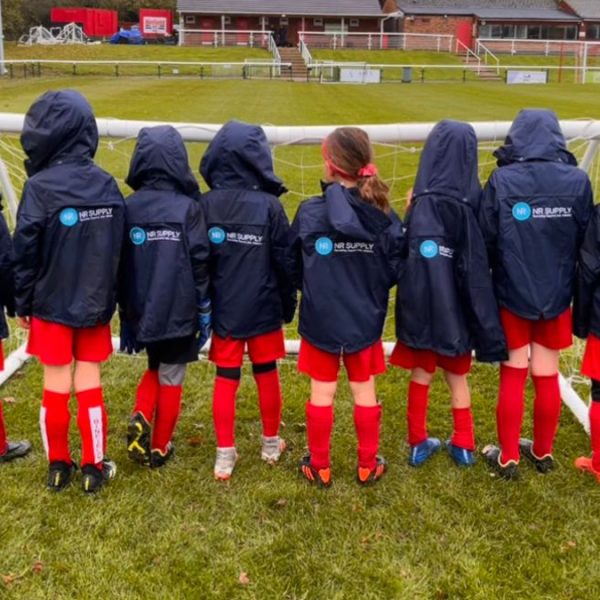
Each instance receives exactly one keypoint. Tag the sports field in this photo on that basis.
(436, 532)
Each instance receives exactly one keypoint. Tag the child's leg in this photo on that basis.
(546, 408)
(91, 415)
(54, 413)
(147, 394)
(170, 378)
(367, 422)
(266, 376)
(511, 403)
(418, 398)
(319, 422)
(463, 435)
(595, 424)
(227, 383)
(3, 437)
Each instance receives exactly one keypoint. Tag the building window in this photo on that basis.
(529, 32)
(318, 22)
(593, 31)
(354, 22)
(190, 19)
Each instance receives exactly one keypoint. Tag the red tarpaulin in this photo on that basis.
(96, 22)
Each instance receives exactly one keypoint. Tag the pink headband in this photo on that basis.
(369, 170)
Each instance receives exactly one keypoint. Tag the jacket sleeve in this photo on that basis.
(396, 249)
(478, 297)
(294, 251)
(197, 239)
(280, 229)
(7, 292)
(587, 278)
(27, 242)
(488, 220)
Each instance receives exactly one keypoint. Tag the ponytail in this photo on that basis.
(375, 191)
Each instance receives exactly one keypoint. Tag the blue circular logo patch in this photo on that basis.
(429, 249)
(216, 235)
(69, 217)
(137, 236)
(521, 211)
(324, 246)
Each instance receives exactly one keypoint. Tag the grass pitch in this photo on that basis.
(436, 532)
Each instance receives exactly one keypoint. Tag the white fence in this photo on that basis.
(225, 37)
(540, 47)
(378, 41)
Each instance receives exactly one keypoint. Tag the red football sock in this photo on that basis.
(464, 434)
(269, 400)
(147, 395)
(3, 440)
(595, 433)
(546, 413)
(54, 425)
(509, 411)
(418, 397)
(167, 412)
(224, 410)
(319, 423)
(367, 420)
(92, 421)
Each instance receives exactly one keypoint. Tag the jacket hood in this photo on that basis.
(349, 215)
(449, 164)
(160, 157)
(239, 157)
(534, 135)
(60, 125)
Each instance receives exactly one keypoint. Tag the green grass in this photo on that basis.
(437, 532)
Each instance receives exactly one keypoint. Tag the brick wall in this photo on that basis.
(433, 24)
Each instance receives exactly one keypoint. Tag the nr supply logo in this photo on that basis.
(139, 236)
(326, 246)
(522, 211)
(430, 249)
(69, 217)
(217, 235)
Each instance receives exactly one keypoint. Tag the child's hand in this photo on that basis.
(24, 322)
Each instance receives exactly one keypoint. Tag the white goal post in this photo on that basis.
(585, 131)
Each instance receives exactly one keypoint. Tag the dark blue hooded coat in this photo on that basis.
(70, 222)
(345, 257)
(534, 212)
(445, 299)
(251, 288)
(164, 274)
(7, 297)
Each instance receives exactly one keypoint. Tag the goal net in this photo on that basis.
(298, 162)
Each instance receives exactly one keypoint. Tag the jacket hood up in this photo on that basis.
(448, 164)
(60, 125)
(160, 157)
(534, 135)
(239, 157)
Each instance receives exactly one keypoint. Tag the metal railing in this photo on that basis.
(274, 50)
(225, 37)
(468, 54)
(489, 58)
(537, 47)
(305, 52)
(377, 41)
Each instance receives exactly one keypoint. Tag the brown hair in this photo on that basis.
(348, 150)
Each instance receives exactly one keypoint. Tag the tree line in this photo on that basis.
(19, 15)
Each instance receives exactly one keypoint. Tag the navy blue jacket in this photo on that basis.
(70, 222)
(164, 275)
(586, 305)
(251, 288)
(345, 258)
(534, 212)
(445, 298)
(7, 298)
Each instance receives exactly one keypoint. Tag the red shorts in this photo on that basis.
(554, 334)
(590, 366)
(57, 345)
(428, 360)
(263, 348)
(325, 366)
(1, 357)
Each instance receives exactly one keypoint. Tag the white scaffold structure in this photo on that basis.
(40, 35)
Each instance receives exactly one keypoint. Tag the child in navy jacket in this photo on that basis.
(344, 246)
(534, 212)
(586, 324)
(8, 450)
(251, 289)
(67, 247)
(445, 304)
(164, 293)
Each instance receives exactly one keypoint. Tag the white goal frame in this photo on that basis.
(586, 130)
